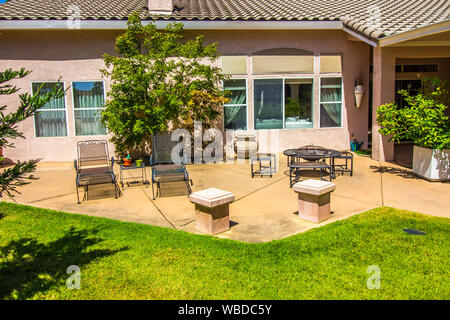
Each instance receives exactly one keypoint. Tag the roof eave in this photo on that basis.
(415, 33)
(372, 42)
(188, 24)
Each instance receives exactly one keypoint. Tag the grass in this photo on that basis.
(364, 152)
(120, 260)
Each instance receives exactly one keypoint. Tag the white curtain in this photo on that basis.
(88, 95)
(238, 97)
(333, 110)
(331, 92)
(51, 120)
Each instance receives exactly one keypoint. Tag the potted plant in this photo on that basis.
(139, 162)
(354, 144)
(424, 122)
(126, 160)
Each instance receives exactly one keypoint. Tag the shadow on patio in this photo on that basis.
(398, 171)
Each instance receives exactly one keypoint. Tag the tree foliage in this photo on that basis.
(422, 121)
(20, 173)
(159, 79)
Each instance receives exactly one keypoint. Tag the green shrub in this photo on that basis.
(151, 91)
(422, 121)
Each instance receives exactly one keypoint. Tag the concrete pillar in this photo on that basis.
(314, 199)
(212, 210)
(383, 92)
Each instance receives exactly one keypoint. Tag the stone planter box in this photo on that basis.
(212, 210)
(431, 164)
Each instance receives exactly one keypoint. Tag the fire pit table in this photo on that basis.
(315, 158)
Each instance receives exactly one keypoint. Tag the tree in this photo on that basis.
(20, 173)
(422, 121)
(159, 79)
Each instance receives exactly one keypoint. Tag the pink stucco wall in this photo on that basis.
(77, 56)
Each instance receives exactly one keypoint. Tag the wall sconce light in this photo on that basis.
(359, 92)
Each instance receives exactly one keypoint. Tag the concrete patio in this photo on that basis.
(265, 208)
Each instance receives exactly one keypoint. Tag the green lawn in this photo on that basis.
(120, 260)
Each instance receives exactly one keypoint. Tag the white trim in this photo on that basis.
(65, 110)
(360, 37)
(341, 102)
(160, 24)
(422, 43)
(74, 109)
(241, 105)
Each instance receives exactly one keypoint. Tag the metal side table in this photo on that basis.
(264, 170)
(143, 178)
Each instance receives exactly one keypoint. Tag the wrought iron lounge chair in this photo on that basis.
(94, 167)
(164, 169)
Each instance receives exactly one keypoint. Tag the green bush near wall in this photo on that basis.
(422, 121)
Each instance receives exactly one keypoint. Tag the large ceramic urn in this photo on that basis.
(245, 145)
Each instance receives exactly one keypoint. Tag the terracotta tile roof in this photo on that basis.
(372, 18)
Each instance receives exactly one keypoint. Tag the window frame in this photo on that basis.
(39, 110)
(75, 109)
(341, 102)
(284, 78)
(237, 105)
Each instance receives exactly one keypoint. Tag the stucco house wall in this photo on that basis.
(76, 55)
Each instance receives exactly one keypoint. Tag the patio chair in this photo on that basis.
(344, 167)
(94, 167)
(164, 170)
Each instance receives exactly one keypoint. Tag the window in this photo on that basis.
(235, 112)
(268, 103)
(283, 103)
(234, 64)
(330, 64)
(330, 102)
(282, 60)
(283, 64)
(50, 120)
(88, 101)
(298, 103)
(420, 68)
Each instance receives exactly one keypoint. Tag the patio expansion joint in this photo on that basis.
(358, 200)
(381, 183)
(52, 197)
(159, 210)
(259, 189)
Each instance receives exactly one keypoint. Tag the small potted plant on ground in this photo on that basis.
(354, 144)
(424, 122)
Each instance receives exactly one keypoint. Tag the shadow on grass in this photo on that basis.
(28, 266)
(2, 215)
(396, 171)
